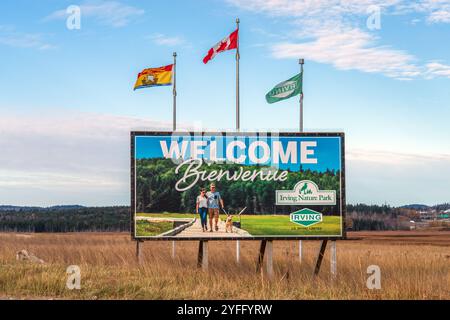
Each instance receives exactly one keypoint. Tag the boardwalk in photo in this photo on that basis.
(196, 231)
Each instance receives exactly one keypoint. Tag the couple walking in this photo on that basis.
(209, 202)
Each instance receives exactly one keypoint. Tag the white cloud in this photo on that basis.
(352, 49)
(9, 36)
(333, 32)
(436, 69)
(164, 40)
(110, 13)
(67, 157)
(440, 16)
(307, 8)
(436, 11)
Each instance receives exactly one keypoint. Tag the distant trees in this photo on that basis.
(65, 220)
(377, 218)
(442, 207)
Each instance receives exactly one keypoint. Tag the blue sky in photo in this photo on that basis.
(327, 152)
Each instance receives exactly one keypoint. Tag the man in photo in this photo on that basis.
(214, 200)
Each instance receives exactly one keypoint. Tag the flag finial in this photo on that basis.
(237, 20)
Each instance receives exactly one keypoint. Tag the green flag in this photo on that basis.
(286, 89)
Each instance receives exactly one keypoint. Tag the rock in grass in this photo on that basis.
(24, 255)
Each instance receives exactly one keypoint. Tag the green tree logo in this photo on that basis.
(304, 189)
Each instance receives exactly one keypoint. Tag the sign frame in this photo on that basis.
(134, 134)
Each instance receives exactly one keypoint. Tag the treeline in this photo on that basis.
(442, 207)
(156, 191)
(362, 217)
(364, 208)
(375, 222)
(65, 219)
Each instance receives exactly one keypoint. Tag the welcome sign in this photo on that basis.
(237, 185)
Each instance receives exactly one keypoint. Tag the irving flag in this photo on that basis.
(286, 89)
(151, 77)
(227, 43)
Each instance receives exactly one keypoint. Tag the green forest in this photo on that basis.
(156, 178)
(77, 219)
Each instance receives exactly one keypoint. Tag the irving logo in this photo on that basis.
(306, 217)
(305, 192)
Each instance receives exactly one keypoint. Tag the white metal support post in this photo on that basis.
(333, 260)
(269, 259)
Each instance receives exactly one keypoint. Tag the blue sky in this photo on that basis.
(67, 103)
(327, 150)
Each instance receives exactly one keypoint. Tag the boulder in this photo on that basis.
(24, 255)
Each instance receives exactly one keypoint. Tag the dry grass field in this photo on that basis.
(414, 265)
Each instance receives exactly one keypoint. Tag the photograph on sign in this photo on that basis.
(237, 185)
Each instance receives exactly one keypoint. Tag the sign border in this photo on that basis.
(133, 135)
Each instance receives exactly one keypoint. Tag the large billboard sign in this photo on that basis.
(236, 185)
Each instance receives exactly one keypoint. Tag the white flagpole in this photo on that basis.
(174, 120)
(238, 126)
(301, 62)
(237, 78)
(174, 92)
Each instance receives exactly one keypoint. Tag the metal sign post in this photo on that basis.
(333, 260)
(265, 245)
(138, 251)
(238, 251)
(202, 259)
(262, 250)
(323, 246)
(238, 243)
(300, 251)
(269, 259)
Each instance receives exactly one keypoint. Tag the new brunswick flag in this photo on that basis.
(151, 77)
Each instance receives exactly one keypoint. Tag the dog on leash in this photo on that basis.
(229, 224)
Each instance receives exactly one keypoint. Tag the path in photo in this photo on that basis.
(195, 230)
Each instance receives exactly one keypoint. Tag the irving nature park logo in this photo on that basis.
(306, 217)
(305, 192)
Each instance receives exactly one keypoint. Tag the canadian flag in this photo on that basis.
(228, 43)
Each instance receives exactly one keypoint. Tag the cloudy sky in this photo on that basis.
(377, 70)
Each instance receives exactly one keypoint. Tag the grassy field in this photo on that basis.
(259, 225)
(414, 265)
(281, 225)
(153, 228)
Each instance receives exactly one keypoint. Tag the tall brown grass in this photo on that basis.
(109, 270)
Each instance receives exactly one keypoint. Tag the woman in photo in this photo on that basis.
(202, 208)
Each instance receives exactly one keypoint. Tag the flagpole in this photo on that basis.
(301, 62)
(238, 125)
(237, 78)
(174, 92)
(174, 120)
